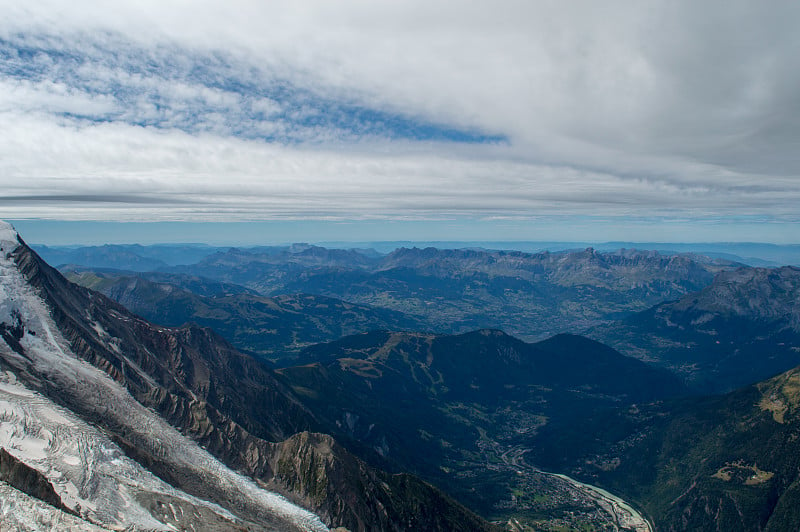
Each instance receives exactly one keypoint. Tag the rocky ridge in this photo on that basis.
(742, 328)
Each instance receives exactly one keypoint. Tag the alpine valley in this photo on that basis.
(305, 388)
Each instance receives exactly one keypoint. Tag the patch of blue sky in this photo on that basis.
(175, 88)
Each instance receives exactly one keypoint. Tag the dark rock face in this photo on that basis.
(345, 490)
(28, 480)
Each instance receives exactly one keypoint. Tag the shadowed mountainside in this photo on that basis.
(742, 328)
(447, 407)
(719, 463)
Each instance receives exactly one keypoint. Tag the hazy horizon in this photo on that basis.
(66, 233)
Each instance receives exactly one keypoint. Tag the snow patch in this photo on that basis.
(99, 330)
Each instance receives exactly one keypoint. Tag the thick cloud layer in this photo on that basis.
(359, 110)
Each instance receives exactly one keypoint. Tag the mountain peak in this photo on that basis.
(8, 236)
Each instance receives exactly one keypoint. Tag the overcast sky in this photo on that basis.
(592, 119)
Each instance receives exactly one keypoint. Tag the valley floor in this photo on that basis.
(569, 503)
(625, 516)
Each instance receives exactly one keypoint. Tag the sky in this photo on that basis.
(400, 120)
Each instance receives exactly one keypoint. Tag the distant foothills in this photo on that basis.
(274, 301)
(750, 253)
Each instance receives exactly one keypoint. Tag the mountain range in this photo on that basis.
(742, 328)
(153, 257)
(138, 425)
(108, 420)
(531, 296)
(272, 328)
(132, 257)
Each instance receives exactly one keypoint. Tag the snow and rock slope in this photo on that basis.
(207, 435)
(88, 468)
(89, 473)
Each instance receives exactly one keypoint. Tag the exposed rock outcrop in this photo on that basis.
(28, 480)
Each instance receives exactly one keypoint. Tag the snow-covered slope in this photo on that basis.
(90, 473)
(89, 470)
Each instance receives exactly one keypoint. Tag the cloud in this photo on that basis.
(205, 176)
(110, 78)
(398, 109)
